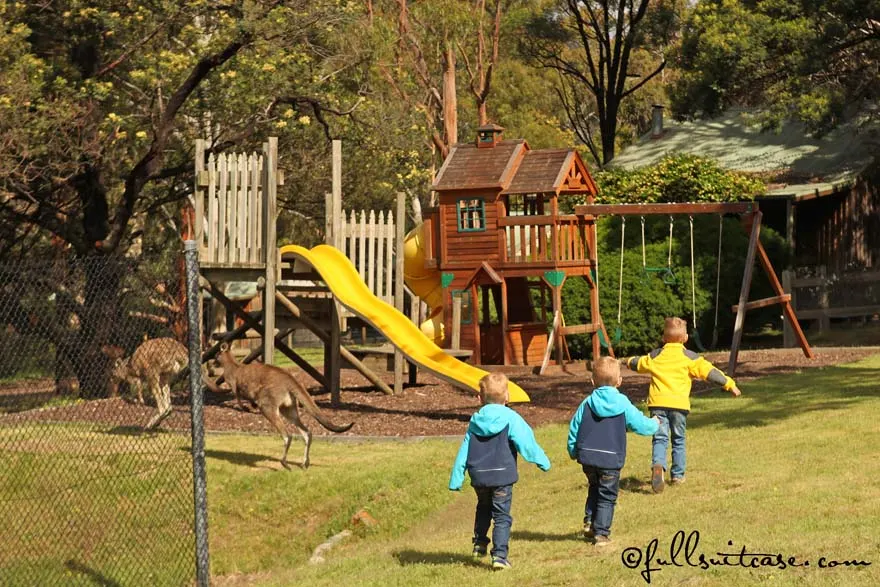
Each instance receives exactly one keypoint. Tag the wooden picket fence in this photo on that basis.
(369, 241)
(234, 198)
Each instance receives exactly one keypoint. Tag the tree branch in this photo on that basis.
(150, 162)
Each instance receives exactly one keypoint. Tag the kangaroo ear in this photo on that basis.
(224, 347)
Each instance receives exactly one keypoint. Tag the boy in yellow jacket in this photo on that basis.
(672, 368)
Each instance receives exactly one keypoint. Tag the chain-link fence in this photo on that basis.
(96, 485)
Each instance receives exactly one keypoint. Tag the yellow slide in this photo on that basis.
(424, 282)
(343, 280)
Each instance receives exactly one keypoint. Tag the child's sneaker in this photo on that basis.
(602, 541)
(588, 531)
(657, 482)
(676, 481)
(501, 564)
(479, 550)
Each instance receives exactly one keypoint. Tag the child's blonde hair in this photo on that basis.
(606, 371)
(493, 388)
(675, 330)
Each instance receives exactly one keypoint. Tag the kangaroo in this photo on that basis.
(276, 393)
(156, 362)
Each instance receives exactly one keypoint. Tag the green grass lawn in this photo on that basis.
(790, 468)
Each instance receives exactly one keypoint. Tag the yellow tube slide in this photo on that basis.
(343, 280)
(424, 282)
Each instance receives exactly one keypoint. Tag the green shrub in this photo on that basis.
(676, 178)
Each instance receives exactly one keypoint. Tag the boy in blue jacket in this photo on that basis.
(488, 453)
(597, 440)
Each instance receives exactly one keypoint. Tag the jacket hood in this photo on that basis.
(606, 401)
(491, 419)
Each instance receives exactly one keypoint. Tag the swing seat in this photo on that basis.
(695, 338)
(615, 338)
(665, 273)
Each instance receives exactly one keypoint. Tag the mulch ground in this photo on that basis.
(430, 408)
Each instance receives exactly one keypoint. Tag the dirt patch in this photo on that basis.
(430, 408)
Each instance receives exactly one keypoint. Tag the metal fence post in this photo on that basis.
(200, 496)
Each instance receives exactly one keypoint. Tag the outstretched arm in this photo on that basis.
(703, 369)
(638, 422)
(641, 364)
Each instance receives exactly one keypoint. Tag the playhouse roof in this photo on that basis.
(513, 167)
(468, 167)
(546, 170)
(796, 164)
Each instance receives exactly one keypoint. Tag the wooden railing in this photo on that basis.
(834, 295)
(543, 239)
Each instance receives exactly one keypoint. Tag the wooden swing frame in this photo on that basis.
(751, 221)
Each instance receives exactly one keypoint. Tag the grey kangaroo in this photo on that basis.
(278, 396)
(155, 362)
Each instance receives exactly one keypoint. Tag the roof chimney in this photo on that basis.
(488, 136)
(656, 121)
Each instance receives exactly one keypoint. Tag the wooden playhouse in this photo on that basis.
(503, 246)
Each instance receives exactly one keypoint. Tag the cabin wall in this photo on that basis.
(470, 248)
(840, 231)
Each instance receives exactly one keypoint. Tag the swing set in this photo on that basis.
(751, 219)
(668, 276)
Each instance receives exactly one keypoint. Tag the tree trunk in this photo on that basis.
(450, 104)
(608, 125)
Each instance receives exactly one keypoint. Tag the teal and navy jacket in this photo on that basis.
(597, 432)
(494, 422)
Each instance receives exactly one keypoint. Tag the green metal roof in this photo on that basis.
(796, 164)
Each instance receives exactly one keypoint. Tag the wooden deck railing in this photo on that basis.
(543, 239)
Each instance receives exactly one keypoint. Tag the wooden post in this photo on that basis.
(411, 368)
(332, 358)
(505, 347)
(557, 324)
(824, 320)
(329, 224)
(198, 228)
(595, 317)
(398, 284)
(199, 197)
(476, 320)
(787, 273)
(557, 309)
(270, 248)
(787, 331)
(456, 322)
(744, 292)
(338, 237)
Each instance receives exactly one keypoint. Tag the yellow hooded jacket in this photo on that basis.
(672, 368)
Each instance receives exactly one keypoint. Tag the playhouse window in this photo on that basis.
(466, 312)
(524, 205)
(471, 215)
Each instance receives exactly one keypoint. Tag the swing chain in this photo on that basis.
(644, 261)
(717, 280)
(669, 258)
(620, 278)
(693, 283)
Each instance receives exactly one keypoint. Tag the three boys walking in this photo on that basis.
(596, 438)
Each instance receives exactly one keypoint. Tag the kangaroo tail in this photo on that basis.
(312, 408)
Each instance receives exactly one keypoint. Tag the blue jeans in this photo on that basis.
(673, 424)
(601, 498)
(493, 505)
